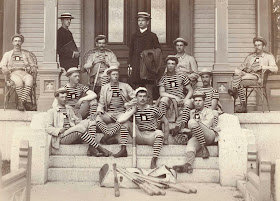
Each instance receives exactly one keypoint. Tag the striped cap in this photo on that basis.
(205, 71)
(144, 14)
(140, 89)
(66, 15)
(259, 38)
(100, 37)
(199, 94)
(60, 90)
(19, 36)
(72, 70)
(172, 57)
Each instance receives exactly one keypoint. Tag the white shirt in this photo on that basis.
(143, 30)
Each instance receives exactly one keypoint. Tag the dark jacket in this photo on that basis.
(65, 47)
(140, 42)
(150, 64)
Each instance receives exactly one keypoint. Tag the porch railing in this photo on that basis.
(17, 184)
(258, 184)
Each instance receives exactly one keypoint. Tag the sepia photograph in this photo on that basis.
(139, 100)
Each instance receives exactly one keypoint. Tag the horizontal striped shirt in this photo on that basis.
(147, 118)
(116, 104)
(174, 84)
(75, 93)
(210, 93)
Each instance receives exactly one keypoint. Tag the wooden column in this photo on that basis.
(222, 72)
(49, 71)
(264, 21)
(186, 23)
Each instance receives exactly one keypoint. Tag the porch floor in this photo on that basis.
(87, 192)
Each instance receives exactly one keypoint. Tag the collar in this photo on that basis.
(181, 56)
(58, 109)
(143, 30)
(263, 54)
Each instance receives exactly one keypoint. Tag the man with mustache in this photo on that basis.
(251, 70)
(16, 66)
(97, 62)
(79, 96)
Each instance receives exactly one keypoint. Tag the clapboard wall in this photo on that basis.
(242, 29)
(32, 23)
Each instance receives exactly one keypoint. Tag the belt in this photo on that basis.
(14, 69)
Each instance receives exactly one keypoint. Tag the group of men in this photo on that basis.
(79, 112)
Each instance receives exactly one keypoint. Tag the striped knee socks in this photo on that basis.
(236, 81)
(241, 94)
(92, 131)
(190, 157)
(163, 107)
(19, 92)
(198, 133)
(215, 123)
(25, 92)
(124, 135)
(185, 117)
(157, 146)
(92, 109)
(113, 129)
(89, 139)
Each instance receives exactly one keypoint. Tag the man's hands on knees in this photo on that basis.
(62, 131)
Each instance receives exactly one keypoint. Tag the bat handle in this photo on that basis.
(146, 189)
(116, 183)
(179, 188)
(157, 190)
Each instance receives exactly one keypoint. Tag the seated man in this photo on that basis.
(251, 70)
(79, 96)
(200, 123)
(114, 98)
(146, 125)
(187, 64)
(171, 86)
(212, 95)
(65, 127)
(101, 59)
(16, 66)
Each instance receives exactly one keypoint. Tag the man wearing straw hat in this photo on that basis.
(79, 96)
(115, 97)
(187, 64)
(17, 65)
(97, 62)
(66, 46)
(142, 40)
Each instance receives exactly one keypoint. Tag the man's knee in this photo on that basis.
(93, 102)
(165, 100)
(188, 102)
(237, 71)
(28, 80)
(215, 113)
(17, 80)
(192, 124)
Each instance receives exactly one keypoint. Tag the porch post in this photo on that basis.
(49, 71)
(222, 72)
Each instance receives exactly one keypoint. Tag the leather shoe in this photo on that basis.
(104, 151)
(93, 152)
(121, 153)
(21, 106)
(187, 167)
(242, 108)
(104, 139)
(205, 153)
(233, 93)
(112, 140)
(154, 163)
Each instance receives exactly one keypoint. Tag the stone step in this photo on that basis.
(92, 175)
(142, 150)
(142, 162)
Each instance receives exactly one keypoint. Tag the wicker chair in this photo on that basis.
(9, 90)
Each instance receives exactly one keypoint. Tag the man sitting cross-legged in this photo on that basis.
(171, 87)
(201, 123)
(146, 125)
(79, 96)
(65, 127)
(114, 97)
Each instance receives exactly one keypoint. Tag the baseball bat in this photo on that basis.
(171, 185)
(144, 188)
(96, 76)
(134, 151)
(116, 181)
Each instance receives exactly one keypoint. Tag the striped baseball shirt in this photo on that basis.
(116, 104)
(147, 118)
(75, 93)
(210, 93)
(174, 84)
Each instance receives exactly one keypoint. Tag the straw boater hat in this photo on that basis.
(144, 15)
(259, 38)
(199, 94)
(108, 71)
(205, 71)
(60, 90)
(72, 70)
(100, 37)
(172, 57)
(180, 40)
(18, 35)
(140, 89)
(66, 15)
